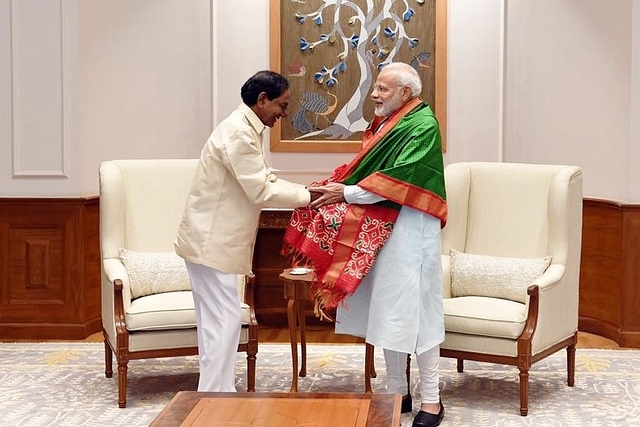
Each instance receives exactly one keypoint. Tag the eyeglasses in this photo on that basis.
(383, 89)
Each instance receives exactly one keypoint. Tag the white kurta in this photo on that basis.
(398, 305)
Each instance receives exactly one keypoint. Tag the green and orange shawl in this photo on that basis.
(401, 162)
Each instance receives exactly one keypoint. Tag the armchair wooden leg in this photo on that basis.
(524, 392)
(122, 383)
(460, 365)
(251, 372)
(108, 360)
(571, 364)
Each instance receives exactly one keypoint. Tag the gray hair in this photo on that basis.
(407, 76)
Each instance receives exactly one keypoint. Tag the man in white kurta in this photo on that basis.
(398, 304)
(218, 229)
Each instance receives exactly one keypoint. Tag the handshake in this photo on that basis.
(321, 195)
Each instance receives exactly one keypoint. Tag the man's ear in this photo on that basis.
(406, 93)
(262, 99)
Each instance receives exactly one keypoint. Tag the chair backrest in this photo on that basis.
(512, 209)
(141, 203)
(515, 210)
(141, 206)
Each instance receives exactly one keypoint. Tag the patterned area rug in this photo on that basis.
(63, 384)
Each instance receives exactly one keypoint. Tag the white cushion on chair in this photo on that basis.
(491, 317)
(170, 310)
(496, 277)
(155, 272)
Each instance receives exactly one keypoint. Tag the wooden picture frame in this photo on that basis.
(332, 67)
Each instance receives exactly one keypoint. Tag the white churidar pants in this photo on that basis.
(218, 316)
(428, 365)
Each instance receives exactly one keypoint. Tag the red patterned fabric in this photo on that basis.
(340, 242)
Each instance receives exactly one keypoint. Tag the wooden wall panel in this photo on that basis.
(630, 283)
(50, 281)
(91, 273)
(600, 269)
(609, 276)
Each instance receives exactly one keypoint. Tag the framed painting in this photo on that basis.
(331, 51)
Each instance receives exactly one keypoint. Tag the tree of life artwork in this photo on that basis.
(331, 52)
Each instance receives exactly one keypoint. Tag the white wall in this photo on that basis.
(633, 162)
(545, 82)
(86, 81)
(474, 80)
(548, 82)
(568, 88)
(38, 125)
(145, 81)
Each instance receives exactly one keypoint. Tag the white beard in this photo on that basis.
(389, 106)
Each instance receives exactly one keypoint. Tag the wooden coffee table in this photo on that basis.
(200, 409)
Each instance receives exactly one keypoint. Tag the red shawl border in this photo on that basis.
(407, 194)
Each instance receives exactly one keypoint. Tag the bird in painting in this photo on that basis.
(420, 60)
(297, 68)
(316, 104)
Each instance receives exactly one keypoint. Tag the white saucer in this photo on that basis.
(299, 271)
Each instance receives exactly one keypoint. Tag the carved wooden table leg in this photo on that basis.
(291, 318)
(296, 291)
(302, 326)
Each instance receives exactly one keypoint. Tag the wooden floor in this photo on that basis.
(325, 334)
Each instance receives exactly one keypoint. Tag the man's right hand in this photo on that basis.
(332, 192)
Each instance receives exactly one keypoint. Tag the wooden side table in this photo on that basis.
(296, 291)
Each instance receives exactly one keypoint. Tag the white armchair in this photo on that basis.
(147, 306)
(507, 223)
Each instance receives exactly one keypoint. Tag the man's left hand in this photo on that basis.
(332, 192)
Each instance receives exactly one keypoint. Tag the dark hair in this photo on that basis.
(269, 82)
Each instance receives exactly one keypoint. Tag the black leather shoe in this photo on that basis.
(407, 404)
(425, 419)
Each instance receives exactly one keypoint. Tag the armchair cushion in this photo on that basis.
(491, 317)
(155, 272)
(495, 277)
(163, 311)
(167, 311)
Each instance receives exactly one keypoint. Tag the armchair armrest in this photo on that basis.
(249, 290)
(557, 307)
(113, 269)
(550, 278)
(250, 281)
(116, 298)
